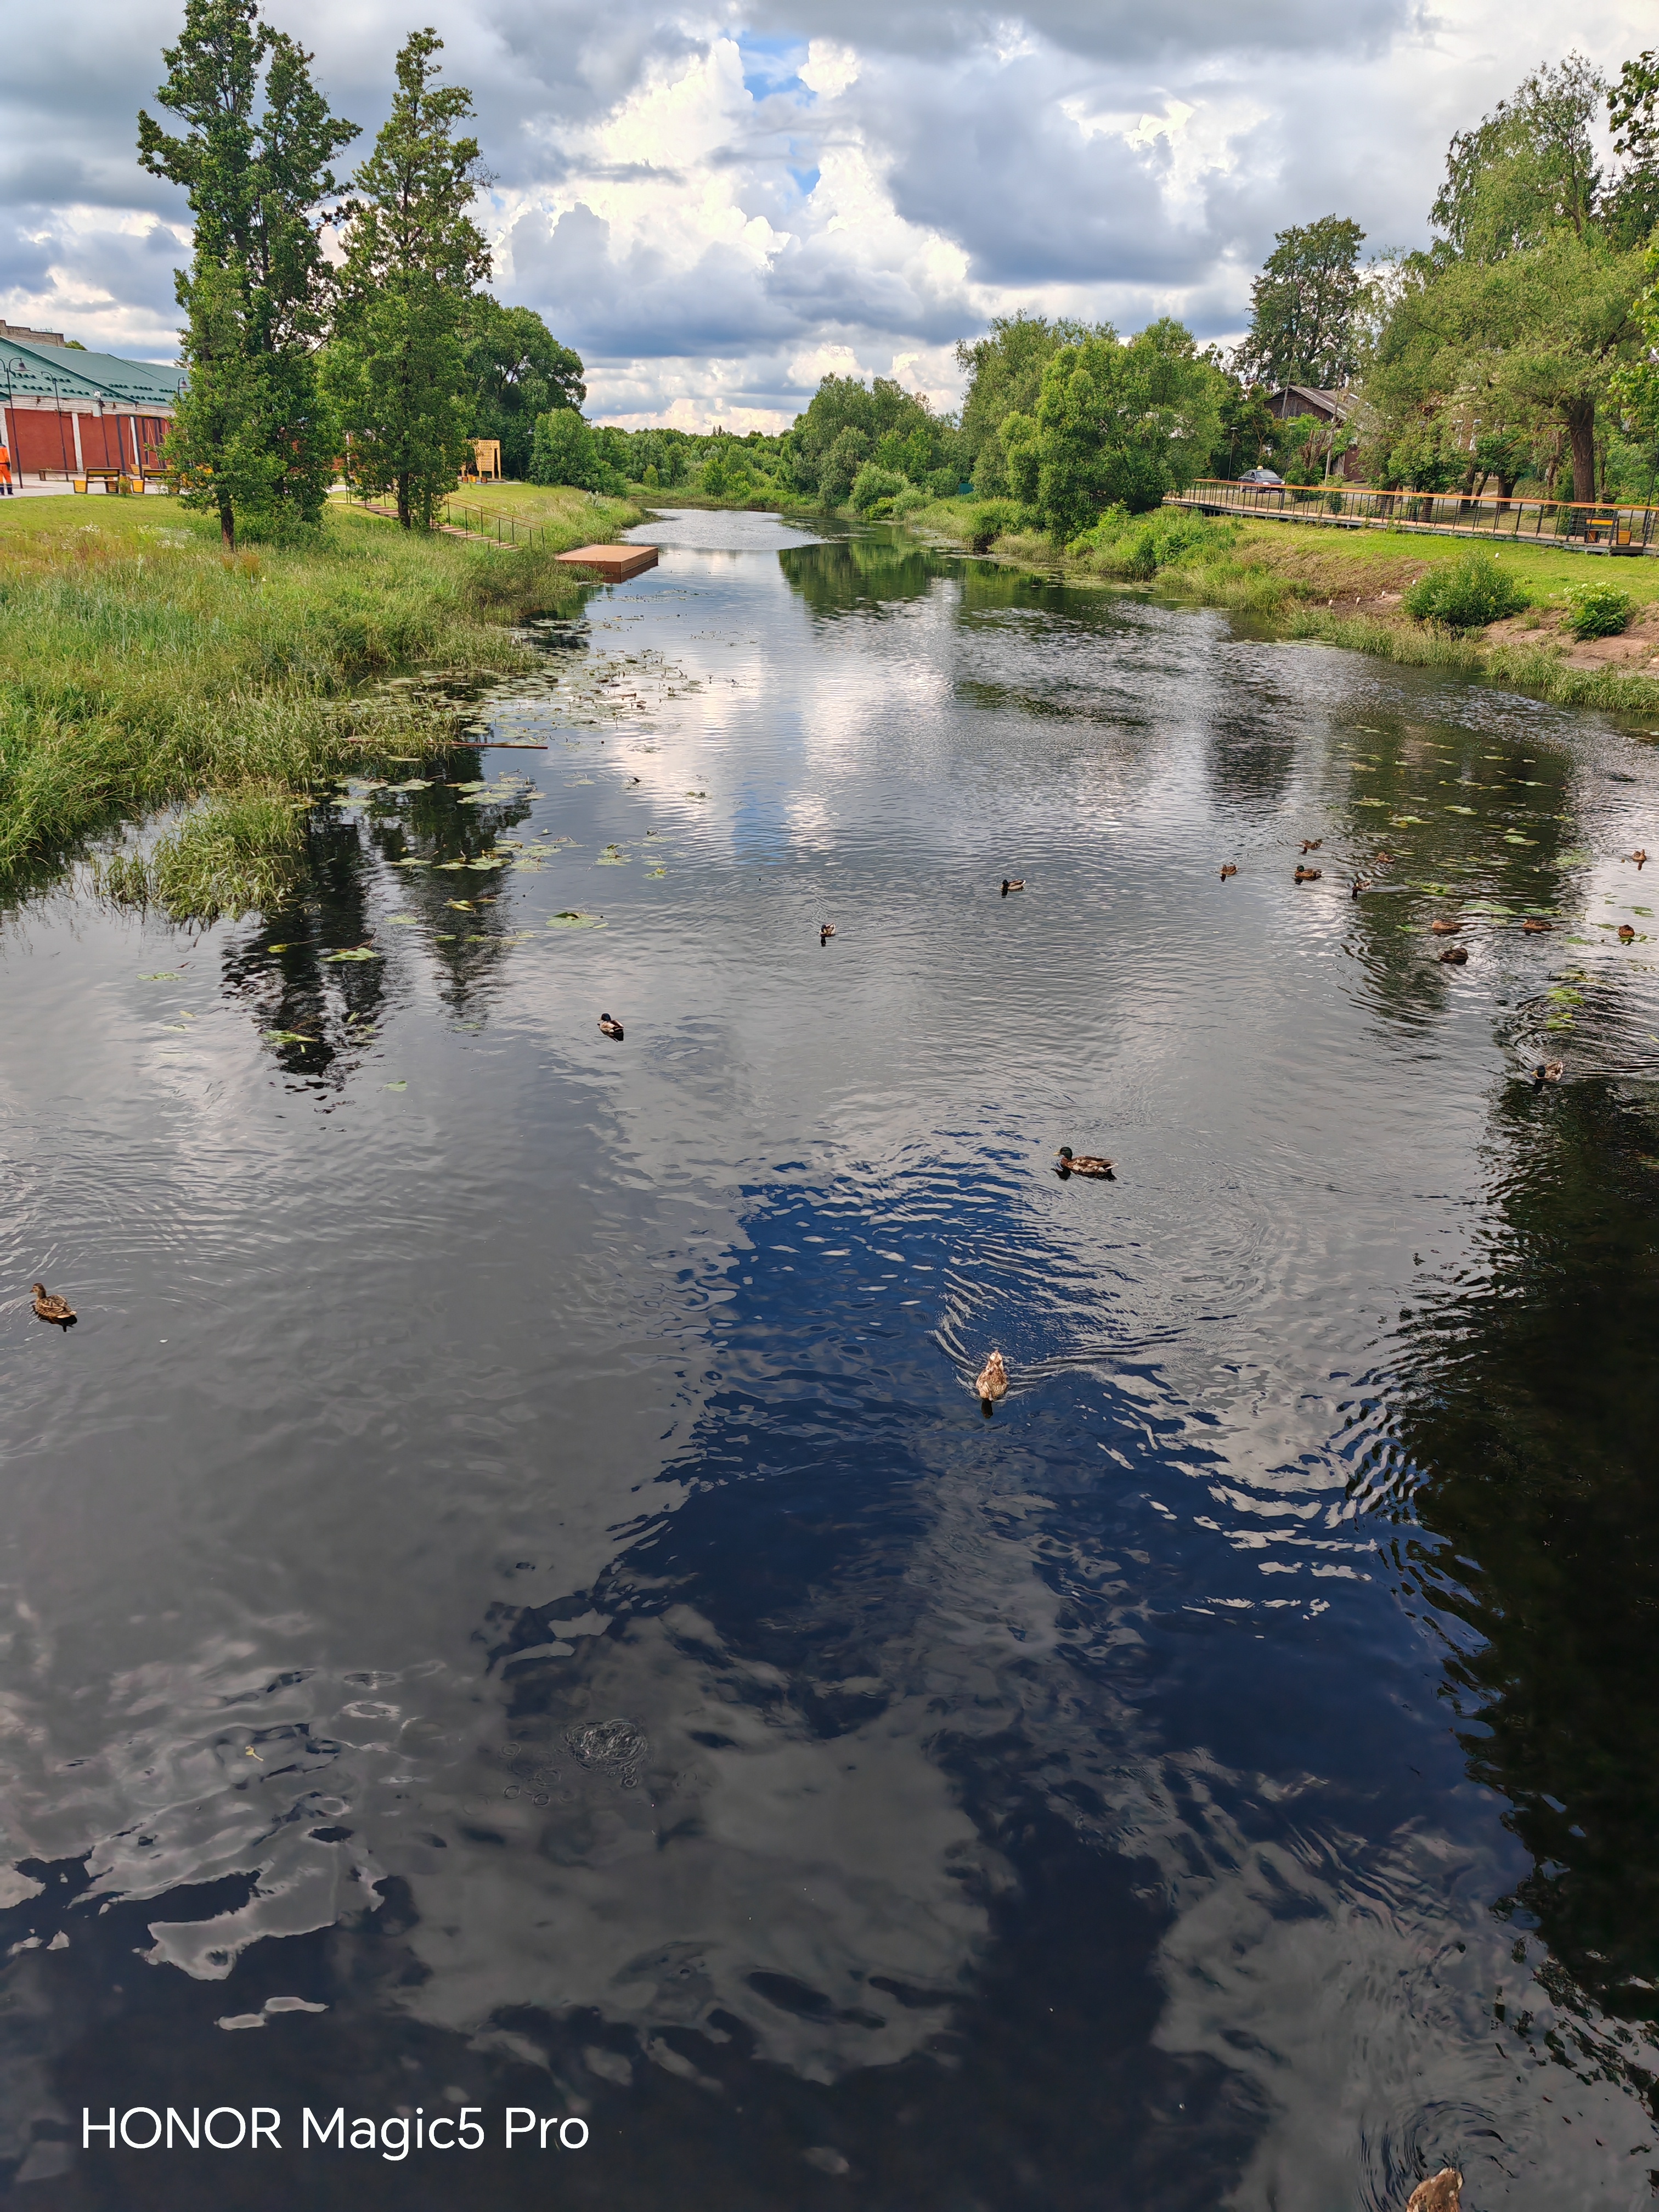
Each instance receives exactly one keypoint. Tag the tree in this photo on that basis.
(516, 370)
(1302, 307)
(1528, 169)
(1244, 430)
(849, 422)
(413, 256)
(1115, 425)
(568, 451)
(1005, 377)
(1633, 210)
(252, 435)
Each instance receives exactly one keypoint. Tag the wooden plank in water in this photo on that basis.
(616, 563)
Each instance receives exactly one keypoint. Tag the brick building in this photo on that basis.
(64, 411)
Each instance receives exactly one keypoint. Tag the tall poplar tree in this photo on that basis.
(252, 435)
(397, 368)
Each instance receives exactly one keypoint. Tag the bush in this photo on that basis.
(1138, 546)
(909, 500)
(1598, 609)
(873, 482)
(1469, 593)
(987, 523)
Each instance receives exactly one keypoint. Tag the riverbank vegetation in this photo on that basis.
(140, 665)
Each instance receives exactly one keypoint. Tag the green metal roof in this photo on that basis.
(64, 372)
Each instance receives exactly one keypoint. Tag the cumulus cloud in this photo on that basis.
(715, 205)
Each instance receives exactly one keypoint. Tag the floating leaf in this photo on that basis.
(286, 1036)
(1408, 821)
(569, 919)
(1370, 802)
(415, 783)
(404, 920)
(1489, 906)
(650, 872)
(167, 974)
(466, 786)
(394, 1086)
(412, 863)
(1576, 859)
(461, 906)
(1512, 838)
(355, 952)
(448, 867)
(611, 860)
(1460, 810)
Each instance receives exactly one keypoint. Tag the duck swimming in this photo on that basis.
(1083, 1163)
(51, 1307)
(1627, 933)
(1311, 844)
(1309, 875)
(991, 1381)
(826, 931)
(1012, 883)
(611, 1027)
(1455, 956)
(1532, 926)
(1547, 1071)
(1445, 929)
(1441, 2193)
(1231, 869)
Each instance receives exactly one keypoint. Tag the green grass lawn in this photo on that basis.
(140, 664)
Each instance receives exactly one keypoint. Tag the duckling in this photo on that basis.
(1084, 1164)
(1231, 869)
(51, 1307)
(1532, 925)
(1383, 860)
(1547, 1071)
(826, 931)
(1627, 933)
(991, 1381)
(1640, 857)
(1441, 2192)
(1308, 875)
(1311, 844)
(1012, 883)
(1360, 884)
(1445, 929)
(1455, 956)
(611, 1027)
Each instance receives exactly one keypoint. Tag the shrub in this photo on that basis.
(1598, 609)
(1138, 546)
(873, 482)
(1467, 593)
(987, 523)
(909, 500)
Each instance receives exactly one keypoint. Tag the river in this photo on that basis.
(509, 1600)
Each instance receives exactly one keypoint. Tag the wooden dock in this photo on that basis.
(616, 563)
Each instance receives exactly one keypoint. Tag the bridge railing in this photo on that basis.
(1585, 525)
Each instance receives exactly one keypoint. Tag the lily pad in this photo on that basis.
(651, 873)
(569, 919)
(394, 1086)
(1409, 821)
(1487, 906)
(353, 952)
(404, 920)
(1461, 810)
(611, 860)
(415, 783)
(167, 976)
(1512, 838)
(1576, 859)
(412, 863)
(461, 906)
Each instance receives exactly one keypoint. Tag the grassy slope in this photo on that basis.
(139, 665)
(1335, 585)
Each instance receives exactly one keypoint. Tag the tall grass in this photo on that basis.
(138, 665)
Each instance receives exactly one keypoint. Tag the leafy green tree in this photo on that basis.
(1303, 307)
(1116, 425)
(847, 422)
(252, 436)
(1005, 377)
(516, 370)
(1244, 430)
(1632, 208)
(568, 450)
(1526, 170)
(397, 368)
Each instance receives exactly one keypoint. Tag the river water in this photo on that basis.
(509, 1599)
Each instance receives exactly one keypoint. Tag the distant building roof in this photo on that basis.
(34, 371)
(34, 337)
(1288, 399)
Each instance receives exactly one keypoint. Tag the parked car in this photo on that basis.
(1261, 476)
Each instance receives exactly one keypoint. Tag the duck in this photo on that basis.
(1012, 883)
(611, 1026)
(1360, 884)
(1231, 869)
(1445, 929)
(991, 1381)
(826, 931)
(1532, 925)
(1455, 956)
(1084, 1164)
(1640, 857)
(1627, 933)
(1311, 844)
(1383, 860)
(1441, 2193)
(1308, 875)
(51, 1307)
(1547, 1071)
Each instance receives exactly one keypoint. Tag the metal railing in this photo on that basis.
(486, 522)
(1575, 525)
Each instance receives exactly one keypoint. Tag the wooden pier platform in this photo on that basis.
(614, 562)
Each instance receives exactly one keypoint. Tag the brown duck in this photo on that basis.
(51, 1307)
(1308, 875)
(1311, 844)
(1231, 869)
(1441, 2193)
(1455, 956)
(1012, 883)
(1532, 926)
(826, 931)
(1547, 1071)
(1083, 1163)
(611, 1027)
(1627, 933)
(1445, 929)
(991, 1381)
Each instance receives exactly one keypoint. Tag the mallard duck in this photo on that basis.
(826, 931)
(1360, 884)
(1084, 1164)
(1532, 926)
(611, 1026)
(1308, 875)
(1311, 844)
(991, 1381)
(1640, 857)
(1548, 1071)
(1231, 869)
(1383, 860)
(1445, 929)
(1455, 956)
(1441, 2192)
(1012, 883)
(51, 1307)
(1627, 933)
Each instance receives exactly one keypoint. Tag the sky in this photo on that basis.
(718, 205)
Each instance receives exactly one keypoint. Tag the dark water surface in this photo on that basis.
(508, 1597)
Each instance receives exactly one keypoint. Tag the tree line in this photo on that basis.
(382, 359)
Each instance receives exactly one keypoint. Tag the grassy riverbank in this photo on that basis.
(1345, 587)
(140, 666)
